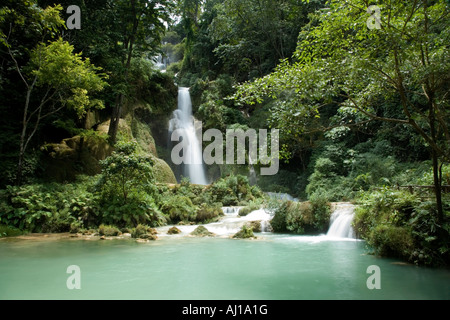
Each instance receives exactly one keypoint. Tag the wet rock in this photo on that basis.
(174, 230)
(254, 225)
(245, 233)
(148, 236)
(201, 231)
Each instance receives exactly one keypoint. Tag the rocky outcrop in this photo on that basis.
(201, 231)
(81, 154)
(174, 230)
(245, 233)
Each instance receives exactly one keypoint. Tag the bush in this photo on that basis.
(232, 191)
(392, 241)
(207, 213)
(127, 189)
(247, 209)
(7, 231)
(301, 217)
(398, 223)
(179, 208)
(48, 207)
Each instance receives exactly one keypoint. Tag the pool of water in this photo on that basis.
(271, 267)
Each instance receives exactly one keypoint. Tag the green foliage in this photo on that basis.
(7, 231)
(392, 241)
(48, 207)
(399, 223)
(233, 190)
(56, 66)
(246, 232)
(179, 208)
(207, 213)
(127, 188)
(249, 208)
(300, 217)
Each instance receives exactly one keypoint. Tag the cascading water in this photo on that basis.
(340, 221)
(184, 121)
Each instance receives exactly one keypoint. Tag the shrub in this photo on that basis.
(179, 208)
(48, 207)
(247, 209)
(7, 231)
(207, 213)
(127, 189)
(301, 217)
(390, 240)
(398, 223)
(232, 191)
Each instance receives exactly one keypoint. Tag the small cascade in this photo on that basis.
(340, 221)
(264, 225)
(231, 211)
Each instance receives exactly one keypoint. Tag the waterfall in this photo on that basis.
(184, 121)
(340, 222)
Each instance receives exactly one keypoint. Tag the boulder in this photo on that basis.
(174, 230)
(245, 233)
(148, 236)
(201, 231)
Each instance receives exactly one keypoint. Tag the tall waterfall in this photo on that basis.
(184, 121)
(340, 222)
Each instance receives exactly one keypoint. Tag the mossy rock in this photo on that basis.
(245, 233)
(148, 236)
(73, 156)
(201, 231)
(174, 230)
(254, 225)
(108, 231)
(162, 172)
(141, 230)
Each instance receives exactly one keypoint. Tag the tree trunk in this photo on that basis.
(115, 118)
(117, 111)
(434, 158)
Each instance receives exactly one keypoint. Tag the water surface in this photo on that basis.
(272, 267)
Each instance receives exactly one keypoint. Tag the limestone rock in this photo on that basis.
(173, 230)
(201, 231)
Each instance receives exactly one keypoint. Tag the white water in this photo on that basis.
(340, 221)
(228, 225)
(340, 224)
(184, 121)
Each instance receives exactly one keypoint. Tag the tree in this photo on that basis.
(54, 78)
(142, 25)
(343, 60)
